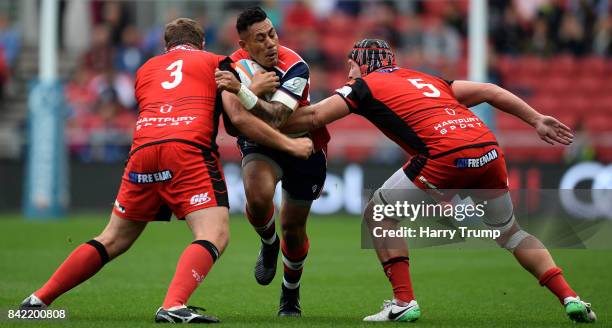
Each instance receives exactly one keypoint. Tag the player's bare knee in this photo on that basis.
(374, 217)
(259, 204)
(259, 194)
(218, 235)
(210, 224)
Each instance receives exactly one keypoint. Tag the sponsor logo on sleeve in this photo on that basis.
(296, 85)
(345, 91)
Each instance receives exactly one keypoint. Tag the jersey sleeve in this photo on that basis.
(239, 54)
(356, 94)
(293, 86)
(227, 64)
(448, 82)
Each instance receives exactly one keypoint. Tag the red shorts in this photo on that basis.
(170, 177)
(480, 168)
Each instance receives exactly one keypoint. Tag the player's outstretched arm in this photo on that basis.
(262, 133)
(548, 128)
(274, 113)
(312, 117)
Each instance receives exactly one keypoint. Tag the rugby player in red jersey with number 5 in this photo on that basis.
(429, 118)
(173, 167)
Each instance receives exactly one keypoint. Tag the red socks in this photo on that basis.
(293, 263)
(193, 266)
(265, 226)
(554, 280)
(397, 270)
(81, 264)
(87, 259)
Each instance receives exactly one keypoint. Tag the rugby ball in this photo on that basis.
(246, 69)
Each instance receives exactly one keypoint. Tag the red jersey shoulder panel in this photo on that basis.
(418, 111)
(239, 54)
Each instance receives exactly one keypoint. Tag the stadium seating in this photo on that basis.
(578, 91)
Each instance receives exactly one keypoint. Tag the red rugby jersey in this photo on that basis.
(177, 94)
(417, 111)
(294, 78)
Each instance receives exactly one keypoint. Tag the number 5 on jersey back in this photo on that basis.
(418, 83)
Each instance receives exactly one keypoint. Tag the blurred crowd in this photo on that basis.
(426, 35)
(10, 45)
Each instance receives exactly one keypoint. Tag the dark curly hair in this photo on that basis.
(249, 17)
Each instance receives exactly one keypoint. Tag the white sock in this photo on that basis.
(290, 285)
(176, 307)
(270, 240)
(569, 299)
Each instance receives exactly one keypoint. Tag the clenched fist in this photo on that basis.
(301, 148)
(227, 81)
(264, 83)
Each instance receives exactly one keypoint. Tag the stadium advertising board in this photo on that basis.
(348, 186)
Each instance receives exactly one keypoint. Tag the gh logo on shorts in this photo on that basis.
(199, 199)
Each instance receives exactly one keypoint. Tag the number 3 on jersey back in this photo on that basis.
(175, 71)
(418, 83)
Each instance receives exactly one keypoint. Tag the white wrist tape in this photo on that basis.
(247, 98)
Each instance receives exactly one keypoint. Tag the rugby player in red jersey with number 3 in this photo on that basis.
(173, 167)
(421, 114)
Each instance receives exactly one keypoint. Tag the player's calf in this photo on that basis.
(265, 265)
(260, 208)
(84, 262)
(294, 257)
(260, 175)
(87, 259)
(210, 229)
(535, 258)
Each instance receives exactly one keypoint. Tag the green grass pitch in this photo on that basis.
(341, 282)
